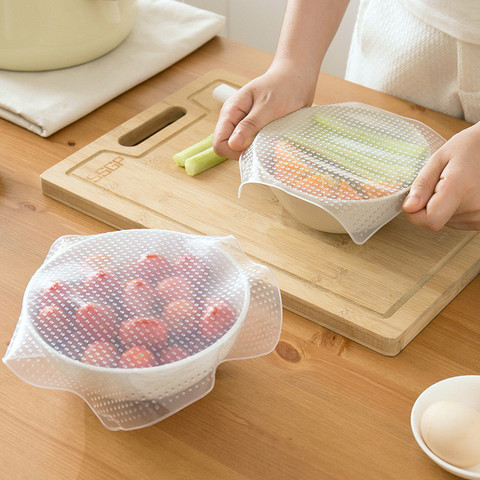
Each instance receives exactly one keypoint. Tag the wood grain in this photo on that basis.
(381, 294)
(319, 407)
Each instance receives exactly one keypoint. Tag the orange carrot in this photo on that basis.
(321, 185)
(289, 167)
(375, 190)
(347, 192)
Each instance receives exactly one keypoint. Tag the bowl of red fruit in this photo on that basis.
(138, 314)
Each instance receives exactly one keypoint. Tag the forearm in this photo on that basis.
(307, 31)
(289, 84)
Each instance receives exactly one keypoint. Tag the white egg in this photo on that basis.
(451, 431)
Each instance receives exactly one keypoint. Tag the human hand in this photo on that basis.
(274, 94)
(447, 189)
(289, 84)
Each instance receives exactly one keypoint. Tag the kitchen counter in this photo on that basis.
(318, 407)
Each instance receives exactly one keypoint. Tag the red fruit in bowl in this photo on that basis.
(217, 317)
(139, 298)
(148, 332)
(137, 357)
(101, 354)
(193, 343)
(56, 293)
(99, 261)
(192, 268)
(171, 354)
(180, 316)
(53, 324)
(153, 267)
(102, 284)
(75, 344)
(173, 288)
(96, 322)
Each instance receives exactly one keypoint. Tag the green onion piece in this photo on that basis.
(390, 144)
(356, 162)
(198, 147)
(202, 161)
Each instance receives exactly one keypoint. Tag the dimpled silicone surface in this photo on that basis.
(137, 321)
(343, 168)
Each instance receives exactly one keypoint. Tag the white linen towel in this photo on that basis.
(165, 31)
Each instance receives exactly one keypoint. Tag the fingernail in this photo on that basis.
(411, 200)
(236, 141)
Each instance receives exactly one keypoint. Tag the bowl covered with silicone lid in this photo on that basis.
(137, 321)
(342, 168)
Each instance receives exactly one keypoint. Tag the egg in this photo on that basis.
(451, 431)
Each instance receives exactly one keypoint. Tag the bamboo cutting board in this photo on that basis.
(380, 294)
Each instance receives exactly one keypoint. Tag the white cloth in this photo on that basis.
(458, 18)
(165, 31)
(399, 53)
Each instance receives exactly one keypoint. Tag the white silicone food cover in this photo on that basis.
(341, 168)
(136, 321)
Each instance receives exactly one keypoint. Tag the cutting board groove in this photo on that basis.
(380, 294)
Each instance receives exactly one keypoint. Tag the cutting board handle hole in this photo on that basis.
(151, 127)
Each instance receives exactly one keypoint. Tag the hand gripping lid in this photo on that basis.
(343, 168)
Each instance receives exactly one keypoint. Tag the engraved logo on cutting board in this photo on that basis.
(106, 169)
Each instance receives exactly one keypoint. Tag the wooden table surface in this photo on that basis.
(318, 407)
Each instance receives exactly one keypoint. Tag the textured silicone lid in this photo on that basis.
(137, 321)
(342, 168)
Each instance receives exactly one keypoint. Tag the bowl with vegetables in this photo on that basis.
(343, 168)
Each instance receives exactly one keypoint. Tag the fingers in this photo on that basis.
(439, 209)
(245, 131)
(241, 118)
(430, 203)
(423, 187)
(276, 93)
(442, 205)
(233, 111)
(260, 115)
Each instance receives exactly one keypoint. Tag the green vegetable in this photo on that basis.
(368, 165)
(390, 144)
(202, 161)
(198, 147)
(372, 155)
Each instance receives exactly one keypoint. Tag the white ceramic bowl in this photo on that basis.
(314, 140)
(137, 383)
(464, 389)
(339, 215)
(50, 34)
(316, 217)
